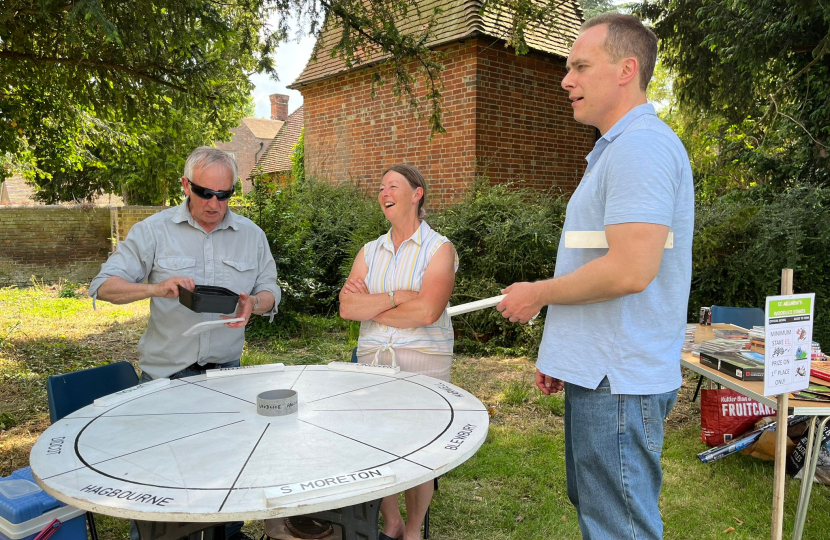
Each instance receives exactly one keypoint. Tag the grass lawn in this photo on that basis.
(514, 487)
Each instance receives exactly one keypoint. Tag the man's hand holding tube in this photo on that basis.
(522, 302)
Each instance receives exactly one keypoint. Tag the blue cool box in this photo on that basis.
(25, 510)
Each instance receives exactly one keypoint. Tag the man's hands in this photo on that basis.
(169, 288)
(244, 308)
(522, 302)
(547, 384)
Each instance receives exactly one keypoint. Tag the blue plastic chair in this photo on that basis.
(739, 316)
(69, 392)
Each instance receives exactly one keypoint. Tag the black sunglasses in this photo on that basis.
(207, 194)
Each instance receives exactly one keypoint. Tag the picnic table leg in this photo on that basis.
(357, 522)
(809, 471)
(164, 530)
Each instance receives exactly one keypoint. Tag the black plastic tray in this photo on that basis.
(208, 299)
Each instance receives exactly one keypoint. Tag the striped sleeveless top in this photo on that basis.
(404, 270)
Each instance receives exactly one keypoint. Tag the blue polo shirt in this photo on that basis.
(637, 172)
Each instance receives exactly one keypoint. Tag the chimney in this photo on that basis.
(279, 107)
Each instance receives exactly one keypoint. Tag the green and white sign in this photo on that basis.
(789, 339)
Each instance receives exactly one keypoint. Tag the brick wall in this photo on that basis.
(61, 242)
(52, 243)
(125, 217)
(349, 135)
(506, 117)
(525, 131)
(245, 146)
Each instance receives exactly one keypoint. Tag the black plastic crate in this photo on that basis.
(209, 299)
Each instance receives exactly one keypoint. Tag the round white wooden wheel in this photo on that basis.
(196, 449)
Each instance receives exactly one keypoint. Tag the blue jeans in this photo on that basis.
(613, 444)
(232, 529)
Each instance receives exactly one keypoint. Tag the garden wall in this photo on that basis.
(51, 243)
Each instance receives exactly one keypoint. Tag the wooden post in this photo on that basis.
(781, 438)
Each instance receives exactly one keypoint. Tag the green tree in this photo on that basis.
(592, 8)
(751, 80)
(84, 84)
(298, 158)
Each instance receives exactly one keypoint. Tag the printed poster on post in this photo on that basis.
(789, 338)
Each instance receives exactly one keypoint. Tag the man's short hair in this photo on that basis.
(628, 37)
(205, 156)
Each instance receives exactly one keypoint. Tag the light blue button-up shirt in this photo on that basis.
(637, 172)
(234, 255)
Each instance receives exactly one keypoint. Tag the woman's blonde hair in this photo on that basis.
(415, 179)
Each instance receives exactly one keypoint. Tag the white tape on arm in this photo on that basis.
(597, 240)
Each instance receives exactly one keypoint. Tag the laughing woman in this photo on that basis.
(399, 289)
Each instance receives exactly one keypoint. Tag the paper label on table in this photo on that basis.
(788, 345)
(130, 393)
(597, 240)
(333, 485)
(364, 368)
(243, 370)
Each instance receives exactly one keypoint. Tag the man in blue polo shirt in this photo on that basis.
(616, 316)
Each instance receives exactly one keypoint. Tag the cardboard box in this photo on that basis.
(25, 510)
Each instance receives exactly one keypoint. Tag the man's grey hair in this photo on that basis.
(205, 156)
(628, 37)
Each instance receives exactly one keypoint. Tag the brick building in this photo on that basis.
(276, 162)
(506, 116)
(253, 136)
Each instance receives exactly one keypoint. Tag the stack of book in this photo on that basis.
(739, 336)
(757, 339)
(689, 340)
(816, 354)
(736, 362)
(721, 345)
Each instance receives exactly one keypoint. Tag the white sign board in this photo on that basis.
(788, 345)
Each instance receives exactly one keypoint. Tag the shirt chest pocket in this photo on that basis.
(239, 276)
(167, 267)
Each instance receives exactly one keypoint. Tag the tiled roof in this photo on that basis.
(15, 191)
(263, 128)
(278, 156)
(459, 20)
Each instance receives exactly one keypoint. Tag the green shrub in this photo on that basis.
(743, 240)
(311, 227)
(503, 234)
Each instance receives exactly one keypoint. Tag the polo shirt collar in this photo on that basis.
(182, 215)
(417, 237)
(623, 123)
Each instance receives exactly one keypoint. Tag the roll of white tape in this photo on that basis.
(277, 403)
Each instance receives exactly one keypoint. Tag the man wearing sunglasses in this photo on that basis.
(198, 242)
